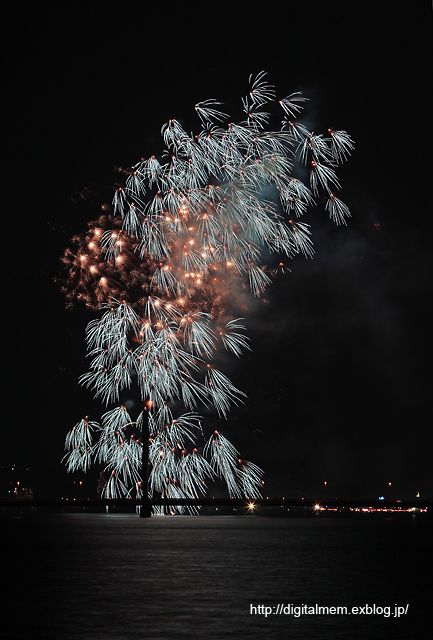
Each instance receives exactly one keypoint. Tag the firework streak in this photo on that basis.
(185, 246)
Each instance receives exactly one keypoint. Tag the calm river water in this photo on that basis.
(98, 577)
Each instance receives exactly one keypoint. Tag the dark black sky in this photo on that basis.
(339, 379)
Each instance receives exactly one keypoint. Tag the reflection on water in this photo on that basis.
(97, 576)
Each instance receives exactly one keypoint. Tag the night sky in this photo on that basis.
(339, 381)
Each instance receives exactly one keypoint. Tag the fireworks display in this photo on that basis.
(185, 247)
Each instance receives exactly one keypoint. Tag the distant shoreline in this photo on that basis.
(295, 507)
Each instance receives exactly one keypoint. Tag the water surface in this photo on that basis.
(99, 577)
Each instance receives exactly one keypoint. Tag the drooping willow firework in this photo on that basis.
(187, 238)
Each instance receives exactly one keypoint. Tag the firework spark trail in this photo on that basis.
(188, 235)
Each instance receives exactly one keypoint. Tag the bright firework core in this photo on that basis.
(183, 250)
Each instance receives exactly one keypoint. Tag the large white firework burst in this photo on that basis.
(199, 219)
